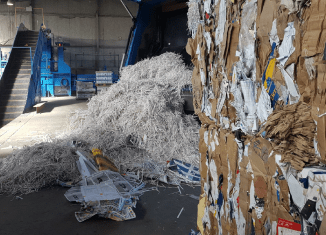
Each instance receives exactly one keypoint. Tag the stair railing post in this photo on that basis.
(30, 54)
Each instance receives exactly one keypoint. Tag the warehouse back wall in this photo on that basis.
(97, 30)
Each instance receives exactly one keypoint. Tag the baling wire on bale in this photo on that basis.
(137, 120)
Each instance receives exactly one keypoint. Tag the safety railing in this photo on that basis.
(34, 92)
(3, 64)
(30, 55)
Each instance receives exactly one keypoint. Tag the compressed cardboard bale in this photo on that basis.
(284, 78)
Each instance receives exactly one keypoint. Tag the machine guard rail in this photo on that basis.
(34, 92)
(30, 54)
(6, 70)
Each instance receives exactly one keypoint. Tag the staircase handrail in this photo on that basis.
(6, 70)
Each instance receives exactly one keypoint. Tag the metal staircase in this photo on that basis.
(16, 80)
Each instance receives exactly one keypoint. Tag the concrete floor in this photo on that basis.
(32, 127)
(48, 211)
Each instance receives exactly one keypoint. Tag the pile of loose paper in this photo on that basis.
(138, 124)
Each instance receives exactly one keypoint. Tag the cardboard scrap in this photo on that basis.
(292, 130)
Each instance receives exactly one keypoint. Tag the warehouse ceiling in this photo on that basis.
(13, 1)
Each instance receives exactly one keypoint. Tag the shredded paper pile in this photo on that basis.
(138, 121)
(144, 110)
(34, 167)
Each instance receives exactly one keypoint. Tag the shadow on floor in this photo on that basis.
(48, 212)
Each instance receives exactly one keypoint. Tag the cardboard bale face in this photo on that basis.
(260, 94)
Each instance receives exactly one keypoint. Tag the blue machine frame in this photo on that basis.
(142, 21)
(55, 83)
(3, 64)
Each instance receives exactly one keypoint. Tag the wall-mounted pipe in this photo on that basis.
(42, 13)
(25, 8)
(16, 14)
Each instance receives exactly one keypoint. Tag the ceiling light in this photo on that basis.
(10, 2)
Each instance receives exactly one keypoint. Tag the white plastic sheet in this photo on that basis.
(273, 37)
(221, 23)
(264, 107)
(286, 49)
(290, 84)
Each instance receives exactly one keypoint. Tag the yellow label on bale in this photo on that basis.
(96, 152)
(269, 71)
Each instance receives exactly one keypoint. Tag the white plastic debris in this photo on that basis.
(286, 49)
(273, 37)
(296, 191)
(248, 91)
(290, 84)
(193, 17)
(180, 213)
(310, 67)
(85, 166)
(289, 5)
(247, 39)
(208, 39)
(264, 107)
(221, 23)
(223, 93)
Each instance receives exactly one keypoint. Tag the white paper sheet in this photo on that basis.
(273, 37)
(264, 107)
(219, 33)
(286, 49)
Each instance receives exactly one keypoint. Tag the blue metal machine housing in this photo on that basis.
(55, 75)
(160, 26)
(3, 63)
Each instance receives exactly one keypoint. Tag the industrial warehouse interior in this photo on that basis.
(163, 117)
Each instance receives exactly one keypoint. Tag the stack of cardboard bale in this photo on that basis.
(85, 90)
(259, 90)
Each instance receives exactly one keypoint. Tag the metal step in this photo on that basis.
(20, 50)
(20, 72)
(22, 61)
(23, 54)
(16, 91)
(18, 66)
(19, 80)
(24, 48)
(4, 102)
(12, 77)
(19, 63)
(27, 32)
(26, 44)
(12, 115)
(17, 85)
(17, 51)
(13, 97)
(21, 57)
(4, 109)
(28, 37)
